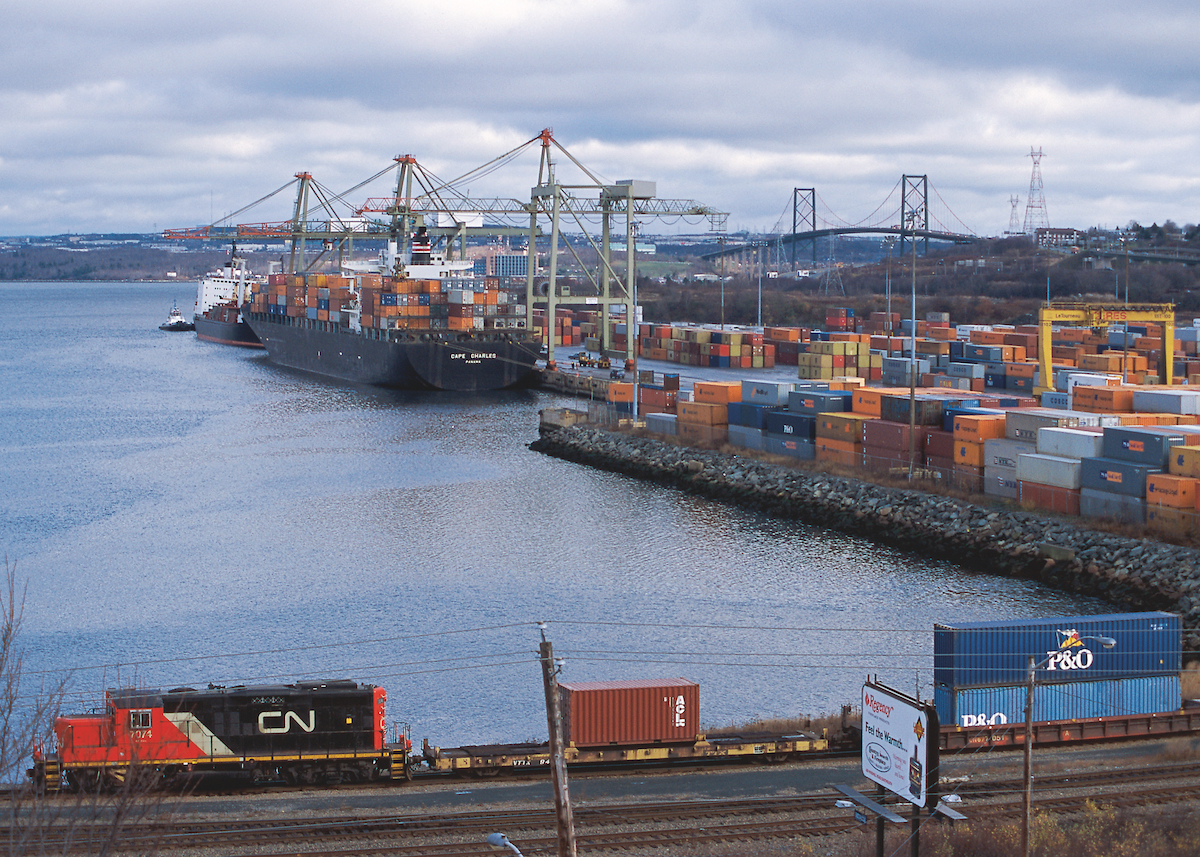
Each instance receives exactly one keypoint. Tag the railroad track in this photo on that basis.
(679, 823)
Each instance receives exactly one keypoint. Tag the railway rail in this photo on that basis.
(677, 823)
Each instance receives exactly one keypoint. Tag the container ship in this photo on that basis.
(429, 324)
(219, 299)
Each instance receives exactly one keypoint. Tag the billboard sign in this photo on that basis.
(896, 742)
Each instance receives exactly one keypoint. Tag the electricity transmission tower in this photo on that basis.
(1014, 225)
(1035, 206)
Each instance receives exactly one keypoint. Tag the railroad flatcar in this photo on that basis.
(307, 732)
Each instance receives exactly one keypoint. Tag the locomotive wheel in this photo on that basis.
(288, 772)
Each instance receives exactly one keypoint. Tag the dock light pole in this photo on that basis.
(888, 242)
(758, 245)
(1027, 808)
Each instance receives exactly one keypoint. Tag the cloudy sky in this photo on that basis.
(136, 116)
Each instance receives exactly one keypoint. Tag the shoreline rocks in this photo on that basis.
(1129, 573)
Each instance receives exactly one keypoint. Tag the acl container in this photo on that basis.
(630, 712)
(989, 653)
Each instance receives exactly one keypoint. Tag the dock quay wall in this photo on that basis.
(1132, 574)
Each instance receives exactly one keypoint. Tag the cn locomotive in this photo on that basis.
(310, 732)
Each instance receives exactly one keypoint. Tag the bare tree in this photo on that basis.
(39, 820)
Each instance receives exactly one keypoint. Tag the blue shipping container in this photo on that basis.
(750, 415)
(791, 425)
(746, 438)
(813, 402)
(1079, 700)
(1115, 476)
(794, 447)
(1141, 445)
(989, 653)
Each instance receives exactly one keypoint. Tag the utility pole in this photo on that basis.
(558, 768)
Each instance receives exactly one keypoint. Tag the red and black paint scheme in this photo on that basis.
(308, 732)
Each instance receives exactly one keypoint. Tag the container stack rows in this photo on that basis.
(1088, 667)
(1095, 464)
(393, 303)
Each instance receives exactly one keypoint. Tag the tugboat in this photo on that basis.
(175, 321)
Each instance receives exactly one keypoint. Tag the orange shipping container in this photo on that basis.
(620, 392)
(847, 427)
(717, 392)
(1178, 492)
(1185, 460)
(866, 402)
(839, 452)
(976, 428)
(704, 413)
(1172, 521)
(968, 453)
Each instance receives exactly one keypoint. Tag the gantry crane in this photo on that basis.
(421, 200)
(1100, 316)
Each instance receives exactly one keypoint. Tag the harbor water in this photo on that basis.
(185, 513)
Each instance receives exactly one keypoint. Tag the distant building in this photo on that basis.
(508, 266)
(1053, 237)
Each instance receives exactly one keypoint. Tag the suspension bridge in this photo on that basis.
(912, 211)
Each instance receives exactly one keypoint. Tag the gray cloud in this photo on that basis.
(134, 116)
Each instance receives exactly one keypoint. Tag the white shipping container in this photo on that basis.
(1166, 401)
(1052, 470)
(1070, 443)
(1003, 452)
(1001, 482)
(1023, 424)
(766, 392)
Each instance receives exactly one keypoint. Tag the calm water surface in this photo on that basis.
(187, 513)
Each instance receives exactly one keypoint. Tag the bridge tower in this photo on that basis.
(1035, 206)
(914, 209)
(804, 213)
(1014, 226)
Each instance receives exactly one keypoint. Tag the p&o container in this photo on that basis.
(633, 712)
(1077, 700)
(991, 653)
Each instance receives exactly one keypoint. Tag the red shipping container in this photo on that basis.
(638, 712)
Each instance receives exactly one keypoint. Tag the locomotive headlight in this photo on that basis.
(349, 720)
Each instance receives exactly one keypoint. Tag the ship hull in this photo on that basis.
(226, 332)
(409, 360)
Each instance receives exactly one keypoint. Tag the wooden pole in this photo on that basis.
(1027, 804)
(558, 769)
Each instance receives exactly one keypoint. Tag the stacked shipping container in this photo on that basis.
(981, 668)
